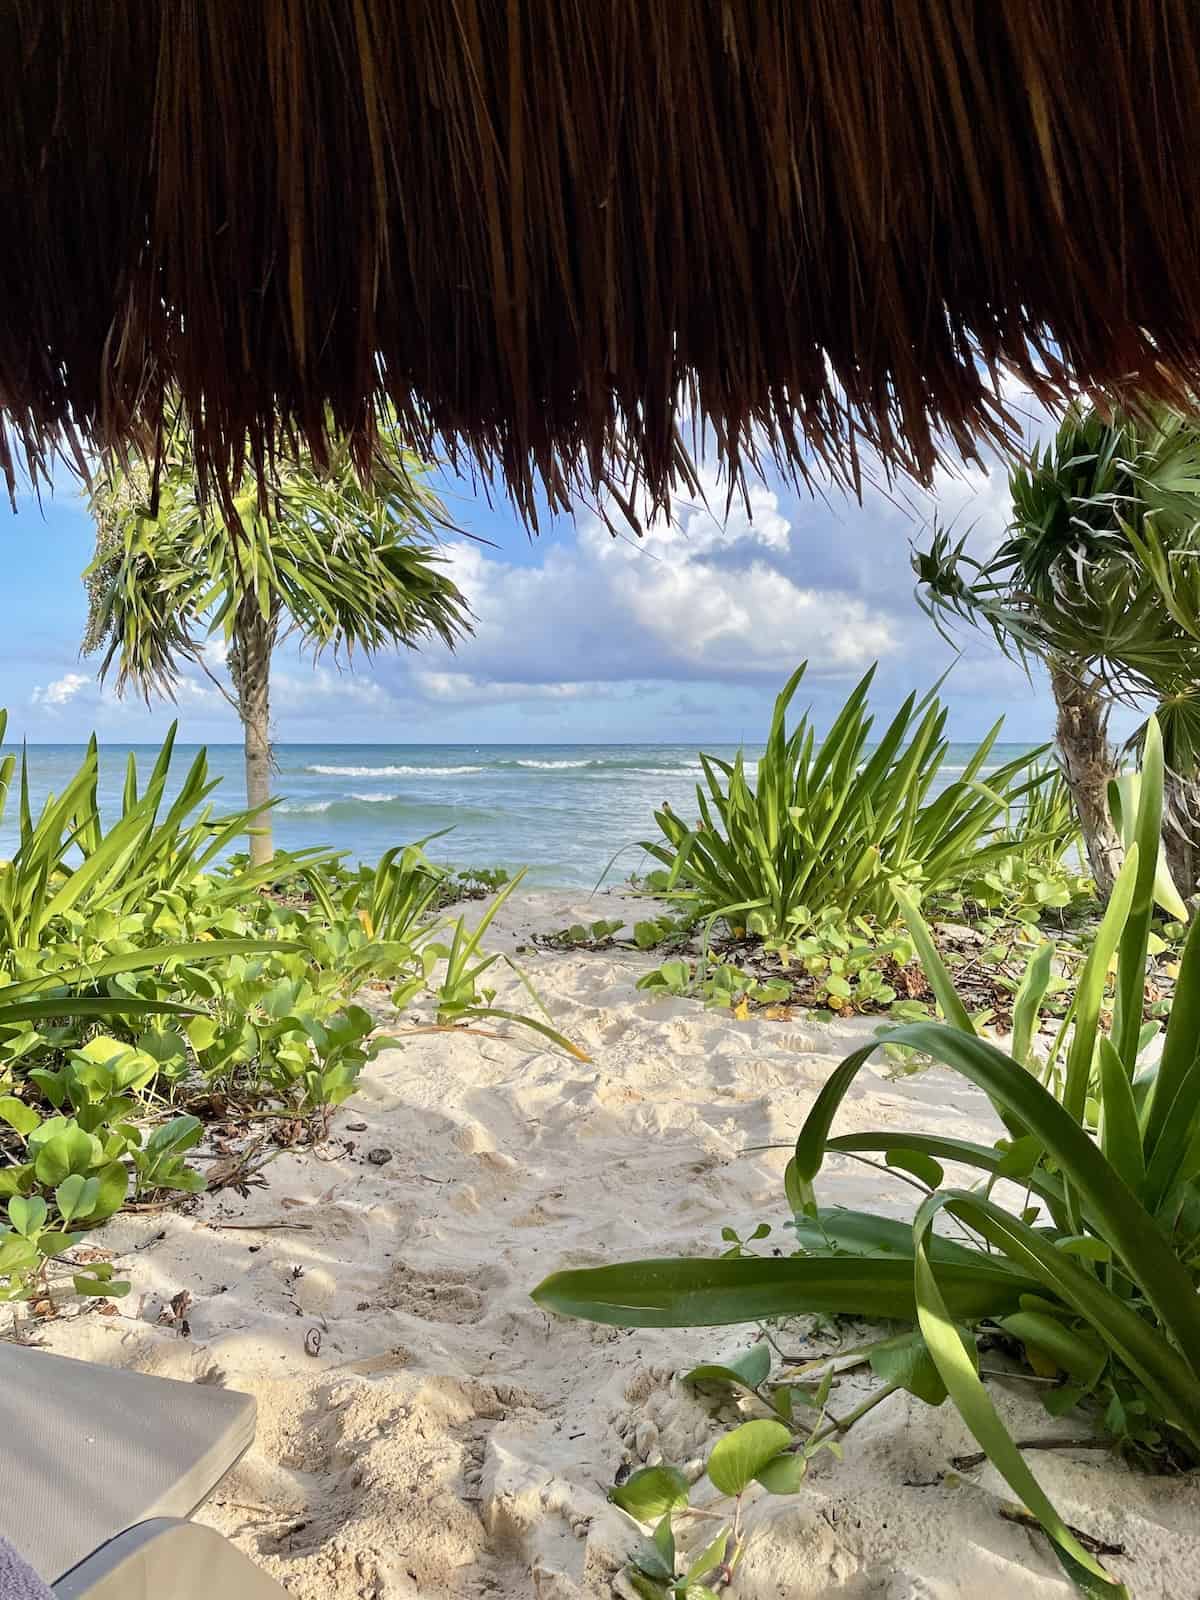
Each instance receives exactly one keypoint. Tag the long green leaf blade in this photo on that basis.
(1116, 1212)
(699, 1292)
(953, 1361)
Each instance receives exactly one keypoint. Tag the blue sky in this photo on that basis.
(684, 636)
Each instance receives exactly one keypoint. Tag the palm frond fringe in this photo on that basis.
(546, 235)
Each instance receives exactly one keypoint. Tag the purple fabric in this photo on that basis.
(18, 1581)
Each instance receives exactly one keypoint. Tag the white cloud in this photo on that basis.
(318, 690)
(215, 652)
(460, 688)
(62, 691)
(192, 692)
(694, 598)
(973, 501)
(697, 529)
(757, 621)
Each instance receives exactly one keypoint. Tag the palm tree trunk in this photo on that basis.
(1089, 762)
(250, 669)
(1181, 832)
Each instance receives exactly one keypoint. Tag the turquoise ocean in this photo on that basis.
(562, 810)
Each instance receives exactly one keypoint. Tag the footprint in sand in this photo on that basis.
(442, 1295)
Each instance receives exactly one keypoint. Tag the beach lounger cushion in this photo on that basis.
(168, 1560)
(87, 1452)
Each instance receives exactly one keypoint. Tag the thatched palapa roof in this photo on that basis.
(544, 228)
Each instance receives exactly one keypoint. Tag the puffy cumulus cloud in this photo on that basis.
(716, 526)
(757, 624)
(700, 597)
(215, 651)
(61, 691)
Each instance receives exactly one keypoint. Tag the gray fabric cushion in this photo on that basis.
(87, 1451)
(163, 1560)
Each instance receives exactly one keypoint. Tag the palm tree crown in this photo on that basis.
(1099, 577)
(342, 562)
(338, 559)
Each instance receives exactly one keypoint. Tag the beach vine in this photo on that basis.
(157, 995)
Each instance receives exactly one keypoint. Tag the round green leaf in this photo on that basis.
(783, 1474)
(180, 1134)
(18, 1115)
(739, 1457)
(167, 1045)
(112, 1183)
(17, 1254)
(906, 1361)
(27, 1214)
(104, 1287)
(651, 1492)
(201, 1031)
(745, 1371)
(102, 1049)
(76, 1196)
(73, 1150)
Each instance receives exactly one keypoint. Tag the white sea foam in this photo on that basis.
(375, 799)
(664, 772)
(390, 772)
(312, 808)
(554, 766)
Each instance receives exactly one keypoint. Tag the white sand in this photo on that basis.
(452, 1440)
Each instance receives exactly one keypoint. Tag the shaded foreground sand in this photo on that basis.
(448, 1438)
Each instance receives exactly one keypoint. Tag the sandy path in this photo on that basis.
(450, 1439)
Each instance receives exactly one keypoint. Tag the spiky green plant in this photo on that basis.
(837, 821)
(1097, 1273)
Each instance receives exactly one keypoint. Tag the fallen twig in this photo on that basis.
(261, 1227)
(1026, 1519)
(978, 1457)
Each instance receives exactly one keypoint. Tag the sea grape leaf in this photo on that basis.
(651, 1492)
(745, 1371)
(27, 1213)
(738, 1458)
(784, 1473)
(24, 1119)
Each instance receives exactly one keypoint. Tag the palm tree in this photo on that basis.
(1099, 578)
(337, 560)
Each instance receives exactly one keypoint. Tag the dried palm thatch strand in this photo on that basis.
(545, 231)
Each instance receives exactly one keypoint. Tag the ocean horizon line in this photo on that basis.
(450, 744)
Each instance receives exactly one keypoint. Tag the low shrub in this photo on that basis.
(720, 984)
(219, 988)
(1042, 872)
